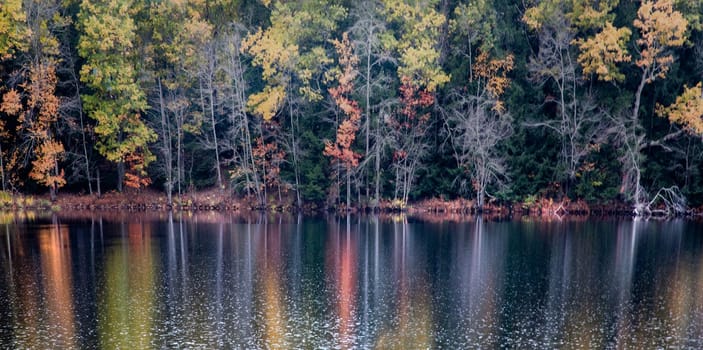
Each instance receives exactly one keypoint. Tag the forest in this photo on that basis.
(354, 103)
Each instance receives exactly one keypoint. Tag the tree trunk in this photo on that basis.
(120, 176)
(2, 169)
(214, 135)
(368, 109)
(179, 151)
(85, 144)
(348, 189)
(97, 170)
(634, 147)
(294, 149)
(167, 147)
(377, 186)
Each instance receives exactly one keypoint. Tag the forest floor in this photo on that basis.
(214, 200)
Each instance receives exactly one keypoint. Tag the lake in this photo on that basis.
(276, 281)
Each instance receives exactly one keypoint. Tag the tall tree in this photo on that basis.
(13, 38)
(421, 74)
(115, 99)
(560, 25)
(34, 102)
(478, 122)
(341, 150)
(370, 35)
(290, 53)
(661, 28)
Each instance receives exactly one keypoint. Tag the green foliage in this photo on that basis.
(116, 101)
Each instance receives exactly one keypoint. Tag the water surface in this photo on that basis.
(219, 281)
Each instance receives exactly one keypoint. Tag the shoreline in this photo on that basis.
(205, 201)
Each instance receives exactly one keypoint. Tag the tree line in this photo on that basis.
(356, 102)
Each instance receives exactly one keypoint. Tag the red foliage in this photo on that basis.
(269, 157)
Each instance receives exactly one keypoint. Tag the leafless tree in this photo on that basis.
(475, 131)
(366, 33)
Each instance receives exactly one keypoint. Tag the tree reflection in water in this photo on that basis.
(176, 280)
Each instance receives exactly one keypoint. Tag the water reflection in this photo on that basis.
(174, 281)
(55, 255)
(127, 301)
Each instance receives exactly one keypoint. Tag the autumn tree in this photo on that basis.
(34, 101)
(37, 114)
(661, 28)
(408, 129)
(416, 44)
(13, 29)
(290, 53)
(341, 150)
(565, 58)
(478, 122)
(687, 111)
(241, 130)
(116, 102)
(13, 38)
(371, 39)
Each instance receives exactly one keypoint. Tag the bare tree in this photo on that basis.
(367, 32)
(476, 130)
(239, 140)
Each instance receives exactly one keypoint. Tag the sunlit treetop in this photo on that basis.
(417, 43)
(687, 110)
(582, 14)
(291, 47)
(601, 53)
(661, 27)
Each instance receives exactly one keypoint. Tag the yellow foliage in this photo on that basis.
(417, 44)
(13, 31)
(660, 27)
(270, 52)
(588, 14)
(600, 53)
(687, 110)
(266, 103)
(536, 16)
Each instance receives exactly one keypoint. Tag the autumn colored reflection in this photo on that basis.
(412, 327)
(272, 305)
(394, 282)
(54, 249)
(127, 301)
(342, 264)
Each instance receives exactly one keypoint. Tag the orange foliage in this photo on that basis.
(36, 116)
(412, 98)
(135, 176)
(346, 133)
(494, 72)
(45, 166)
(11, 102)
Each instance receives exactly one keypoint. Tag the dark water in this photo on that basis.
(367, 282)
